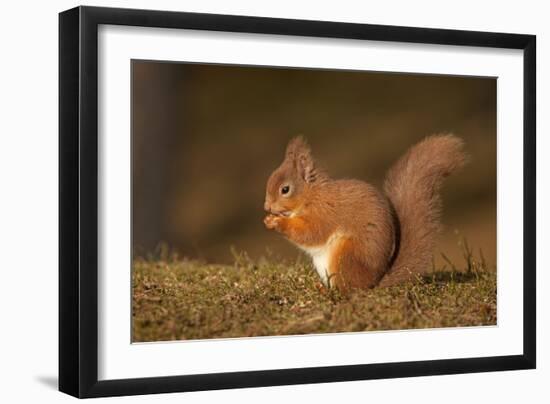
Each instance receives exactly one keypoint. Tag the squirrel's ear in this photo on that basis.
(306, 166)
(298, 151)
(296, 146)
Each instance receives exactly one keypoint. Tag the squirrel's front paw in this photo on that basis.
(272, 221)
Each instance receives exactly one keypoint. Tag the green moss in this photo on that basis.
(177, 299)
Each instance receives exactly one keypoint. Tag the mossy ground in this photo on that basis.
(176, 299)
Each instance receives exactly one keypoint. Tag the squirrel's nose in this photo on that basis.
(267, 206)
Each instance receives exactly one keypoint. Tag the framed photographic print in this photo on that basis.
(250, 201)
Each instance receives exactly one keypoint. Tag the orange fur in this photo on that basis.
(348, 270)
(298, 229)
(359, 236)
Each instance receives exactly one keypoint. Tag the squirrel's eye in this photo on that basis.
(285, 189)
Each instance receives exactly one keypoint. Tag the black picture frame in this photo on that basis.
(78, 201)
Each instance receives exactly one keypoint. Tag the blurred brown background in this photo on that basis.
(206, 138)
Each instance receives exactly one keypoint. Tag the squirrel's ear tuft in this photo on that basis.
(297, 146)
(300, 153)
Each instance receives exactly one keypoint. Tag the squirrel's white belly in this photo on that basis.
(321, 256)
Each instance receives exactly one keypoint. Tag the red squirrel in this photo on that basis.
(357, 236)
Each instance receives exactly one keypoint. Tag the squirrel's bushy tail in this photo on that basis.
(412, 186)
